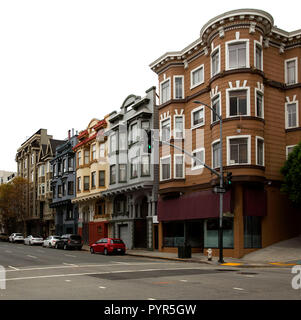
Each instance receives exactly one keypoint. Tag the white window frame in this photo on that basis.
(218, 48)
(212, 143)
(247, 53)
(174, 87)
(174, 125)
(192, 86)
(297, 114)
(95, 154)
(286, 149)
(228, 101)
(296, 70)
(170, 133)
(198, 166)
(257, 43)
(256, 144)
(169, 91)
(260, 92)
(116, 141)
(161, 171)
(174, 166)
(228, 150)
(191, 115)
(220, 106)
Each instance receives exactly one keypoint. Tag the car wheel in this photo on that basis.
(105, 251)
(49, 245)
(56, 246)
(92, 250)
(65, 247)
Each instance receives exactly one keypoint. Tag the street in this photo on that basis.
(33, 272)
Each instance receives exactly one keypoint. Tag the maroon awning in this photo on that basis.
(255, 202)
(196, 205)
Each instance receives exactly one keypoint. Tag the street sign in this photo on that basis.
(219, 190)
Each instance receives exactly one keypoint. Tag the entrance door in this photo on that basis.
(140, 233)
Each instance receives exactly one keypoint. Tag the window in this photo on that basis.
(59, 191)
(70, 188)
(32, 176)
(145, 125)
(197, 76)
(32, 158)
(122, 173)
(239, 150)
(93, 152)
(145, 165)
(101, 150)
(211, 227)
(134, 133)
(178, 87)
(259, 151)
(134, 167)
(197, 117)
(113, 174)
(199, 154)
(101, 178)
(86, 183)
(179, 127)
(215, 62)
(93, 179)
(289, 149)
(79, 158)
(291, 115)
(79, 184)
(113, 142)
(258, 56)
(238, 55)
(259, 104)
(216, 156)
(238, 103)
(64, 165)
(165, 130)
(179, 167)
(252, 232)
(291, 71)
(165, 91)
(215, 105)
(87, 156)
(70, 164)
(165, 169)
(64, 188)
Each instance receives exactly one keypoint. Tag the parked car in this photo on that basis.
(69, 241)
(50, 241)
(16, 237)
(31, 240)
(107, 246)
(4, 237)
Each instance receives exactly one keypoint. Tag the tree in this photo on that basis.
(7, 218)
(292, 176)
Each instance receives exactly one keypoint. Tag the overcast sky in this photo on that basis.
(63, 62)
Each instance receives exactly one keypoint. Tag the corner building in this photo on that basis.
(248, 71)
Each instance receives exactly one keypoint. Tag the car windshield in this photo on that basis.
(75, 237)
(36, 236)
(56, 237)
(19, 234)
(116, 241)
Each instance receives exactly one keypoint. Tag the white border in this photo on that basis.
(260, 45)
(256, 153)
(191, 117)
(247, 53)
(296, 70)
(228, 150)
(174, 126)
(262, 94)
(199, 166)
(174, 166)
(162, 158)
(174, 87)
(203, 74)
(169, 91)
(218, 48)
(297, 114)
(212, 143)
(228, 101)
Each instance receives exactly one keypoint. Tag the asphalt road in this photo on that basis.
(33, 272)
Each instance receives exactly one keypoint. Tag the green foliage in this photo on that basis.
(292, 175)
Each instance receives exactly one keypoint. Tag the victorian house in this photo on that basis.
(63, 186)
(92, 177)
(247, 70)
(133, 180)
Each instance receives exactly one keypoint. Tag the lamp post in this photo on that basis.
(221, 183)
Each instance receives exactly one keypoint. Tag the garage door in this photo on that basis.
(125, 235)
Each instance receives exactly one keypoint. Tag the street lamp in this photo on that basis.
(221, 182)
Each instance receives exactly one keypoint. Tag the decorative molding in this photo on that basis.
(213, 92)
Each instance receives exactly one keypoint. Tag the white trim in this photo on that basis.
(286, 149)
(247, 52)
(174, 125)
(296, 70)
(191, 117)
(256, 151)
(161, 171)
(169, 91)
(191, 77)
(297, 114)
(259, 44)
(174, 86)
(212, 143)
(228, 149)
(218, 48)
(170, 132)
(174, 166)
(260, 92)
(220, 105)
(228, 102)
(198, 166)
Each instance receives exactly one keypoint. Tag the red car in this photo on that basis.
(107, 246)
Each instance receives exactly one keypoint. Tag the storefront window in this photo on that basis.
(173, 234)
(211, 227)
(252, 232)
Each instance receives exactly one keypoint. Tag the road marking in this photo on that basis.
(151, 299)
(70, 264)
(13, 268)
(282, 264)
(234, 264)
(8, 251)
(68, 280)
(34, 257)
(240, 289)
(102, 287)
(69, 255)
(183, 280)
(124, 263)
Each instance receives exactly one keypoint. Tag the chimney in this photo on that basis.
(69, 134)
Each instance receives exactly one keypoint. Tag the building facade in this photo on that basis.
(64, 187)
(92, 176)
(247, 70)
(6, 176)
(133, 175)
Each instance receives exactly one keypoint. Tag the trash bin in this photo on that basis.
(184, 251)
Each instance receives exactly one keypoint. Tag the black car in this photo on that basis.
(69, 241)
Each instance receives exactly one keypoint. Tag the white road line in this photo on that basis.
(240, 289)
(69, 255)
(70, 264)
(124, 263)
(151, 299)
(34, 257)
(68, 280)
(102, 287)
(13, 268)
(183, 280)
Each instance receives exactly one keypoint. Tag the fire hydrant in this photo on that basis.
(209, 251)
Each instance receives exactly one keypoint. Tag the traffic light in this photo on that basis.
(228, 181)
(147, 143)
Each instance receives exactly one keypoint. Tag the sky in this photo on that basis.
(64, 62)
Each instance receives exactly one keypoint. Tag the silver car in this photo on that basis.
(16, 237)
(31, 240)
(50, 241)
